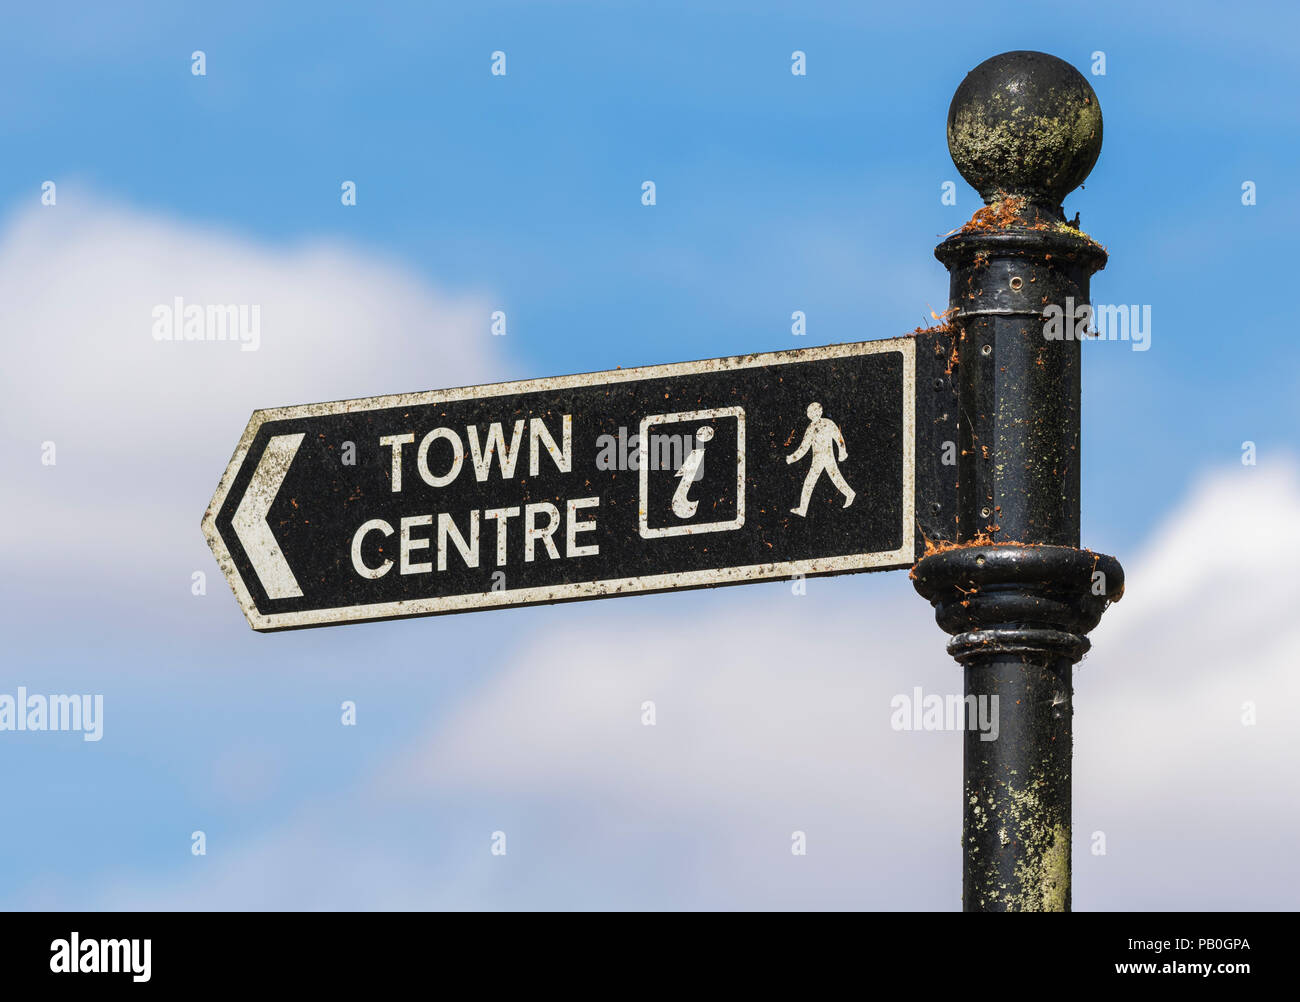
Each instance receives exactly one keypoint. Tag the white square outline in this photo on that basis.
(643, 461)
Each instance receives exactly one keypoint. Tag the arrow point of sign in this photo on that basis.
(249, 521)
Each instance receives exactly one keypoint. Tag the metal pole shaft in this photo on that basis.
(1016, 592)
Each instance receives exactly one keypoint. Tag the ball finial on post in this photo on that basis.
(1025, 124)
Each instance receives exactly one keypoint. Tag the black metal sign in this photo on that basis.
(610, 483)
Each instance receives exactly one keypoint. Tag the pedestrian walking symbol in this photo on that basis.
(822, 436)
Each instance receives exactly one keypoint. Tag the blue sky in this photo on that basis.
(774, 193)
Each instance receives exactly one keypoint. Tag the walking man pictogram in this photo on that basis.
(822, 436)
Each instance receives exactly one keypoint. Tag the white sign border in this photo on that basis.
(903, 556)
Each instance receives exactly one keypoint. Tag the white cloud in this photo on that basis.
(778, 712)
(774, 717)
(143, 428)
(1198, 808)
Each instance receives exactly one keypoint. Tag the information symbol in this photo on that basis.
(682, 505)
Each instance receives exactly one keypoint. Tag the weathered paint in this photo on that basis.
(311, 505)
(1014, 589)
(1025, 123)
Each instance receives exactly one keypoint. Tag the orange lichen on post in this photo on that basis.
(942, 324)
(981, 539)
(999, 215)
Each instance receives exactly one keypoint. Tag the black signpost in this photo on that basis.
(816, 461)
(1017, 594)
(609, 483)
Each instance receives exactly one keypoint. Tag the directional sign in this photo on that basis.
(609, 483)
